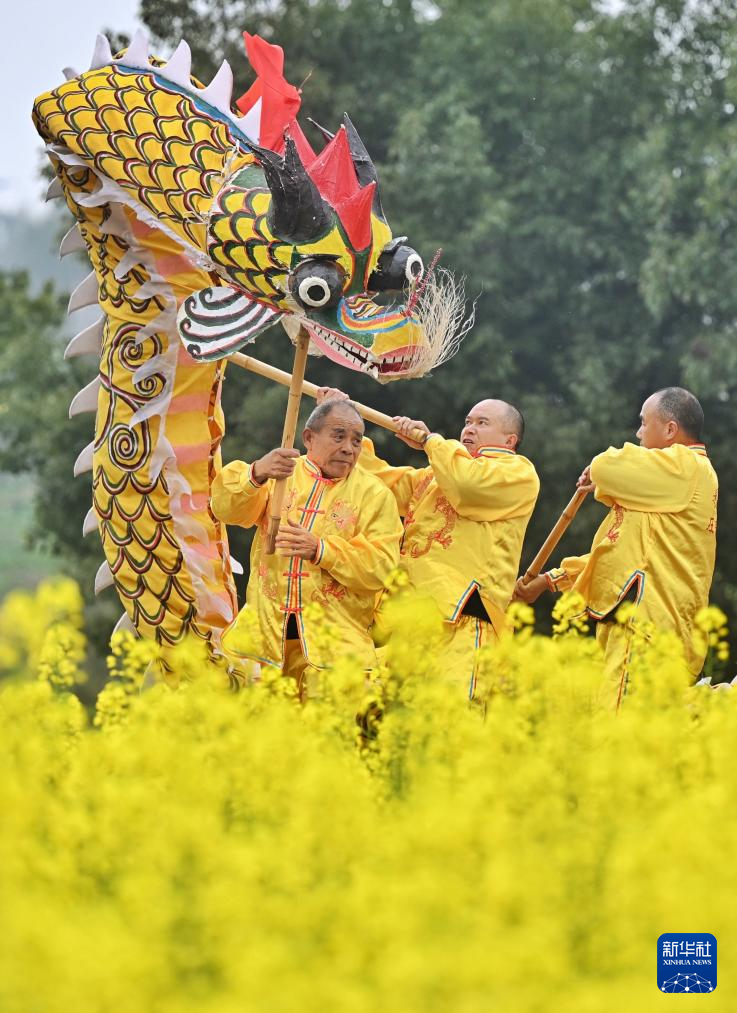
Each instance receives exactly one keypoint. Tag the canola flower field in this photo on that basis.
(384, 847)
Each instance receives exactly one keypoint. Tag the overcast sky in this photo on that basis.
(40, 37)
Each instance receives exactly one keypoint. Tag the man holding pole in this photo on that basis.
(337, 543)
(465, 516)
(656, 547)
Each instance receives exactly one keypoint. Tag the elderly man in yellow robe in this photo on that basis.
(465, 516)
(337, 543)
(656, 547)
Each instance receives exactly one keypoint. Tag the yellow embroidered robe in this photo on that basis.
(464, 522)
(356, 521)
(657, 544)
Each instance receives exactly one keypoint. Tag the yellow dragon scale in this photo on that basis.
(159, 423)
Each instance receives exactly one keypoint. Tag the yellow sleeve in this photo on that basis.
(482, 488)
(363, 563)
(401, 481)
(653, 481)
(563, 577)
(236, 497)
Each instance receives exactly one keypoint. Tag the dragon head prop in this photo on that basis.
(282, 232)
(302, 237)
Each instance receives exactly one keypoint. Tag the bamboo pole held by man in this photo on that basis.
(311, 389)
(559, 529)
(296, 381)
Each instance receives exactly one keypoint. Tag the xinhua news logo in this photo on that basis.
(687, 962)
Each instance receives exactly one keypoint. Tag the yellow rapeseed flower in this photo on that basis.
(569, 614)
(387, 845)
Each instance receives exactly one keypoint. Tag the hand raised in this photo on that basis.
(278, 463)
(584, 479)
(405, 426)
(330, 394)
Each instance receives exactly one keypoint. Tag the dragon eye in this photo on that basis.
(317, 283)
(414, 268)
(314, 291)
(397, 265)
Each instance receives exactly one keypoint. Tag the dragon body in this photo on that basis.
(205, 226)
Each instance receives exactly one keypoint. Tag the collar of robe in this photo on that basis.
(491, 451)
(314, 470)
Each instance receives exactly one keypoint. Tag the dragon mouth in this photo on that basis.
(342, 350)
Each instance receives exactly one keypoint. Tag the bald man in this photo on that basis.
(656, 547)
(465, 516)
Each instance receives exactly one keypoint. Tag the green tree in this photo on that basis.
(351, 56)
(597, 252)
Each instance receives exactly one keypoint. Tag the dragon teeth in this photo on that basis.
(365, 360)
(329, 338)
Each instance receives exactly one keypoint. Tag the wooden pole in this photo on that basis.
(287, 440)
(311, 389)
(559, 529)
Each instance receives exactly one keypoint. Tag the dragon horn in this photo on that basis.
(365, 168)
(327, 134)
(298, 212)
